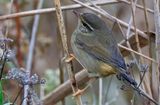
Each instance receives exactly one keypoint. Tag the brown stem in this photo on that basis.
(18, 28)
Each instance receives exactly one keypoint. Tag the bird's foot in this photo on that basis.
(119, 77)
(70, 58)
(80, 91)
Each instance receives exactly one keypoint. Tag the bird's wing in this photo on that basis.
(100, 52)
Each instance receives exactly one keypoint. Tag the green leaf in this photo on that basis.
(1, 94)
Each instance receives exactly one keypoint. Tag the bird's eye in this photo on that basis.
(87, 26)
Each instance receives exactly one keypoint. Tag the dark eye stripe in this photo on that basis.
(87, 26)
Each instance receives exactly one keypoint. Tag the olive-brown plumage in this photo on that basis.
(95, 47)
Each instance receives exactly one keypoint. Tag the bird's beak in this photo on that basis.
(76, 13)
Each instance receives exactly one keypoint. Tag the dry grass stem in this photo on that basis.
(157, 41)
(66, 53)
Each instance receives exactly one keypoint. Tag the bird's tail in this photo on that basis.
(125, 76)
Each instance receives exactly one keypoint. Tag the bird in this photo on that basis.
(96, 49)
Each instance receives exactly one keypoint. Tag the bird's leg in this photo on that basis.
(80, 91)
(119, 76)
(70, 58)
(125, 85)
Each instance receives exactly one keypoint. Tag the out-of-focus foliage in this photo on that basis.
(7, 104)
(52, 80)
(4, 1)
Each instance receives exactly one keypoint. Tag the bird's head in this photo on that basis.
(89, 22)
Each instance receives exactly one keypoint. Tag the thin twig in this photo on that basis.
(65, 48)
(133, 8)
(128, 33)
(96, 5)
(144, 56)
(146, 16)
(20, 91)
(61, 75)
(121, 30)
(130, 21)
(31, 49)
(137, 42)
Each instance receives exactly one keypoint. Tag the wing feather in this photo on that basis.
(113, 58)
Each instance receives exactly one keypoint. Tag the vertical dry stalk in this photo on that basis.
(128, 33)
(152, 70)
(157, 42)
(31, 50)
(10, 10)
(134, 24)
(18, 29)
(146, 16)
(65, 47)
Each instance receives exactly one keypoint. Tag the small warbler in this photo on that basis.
(96, 49)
